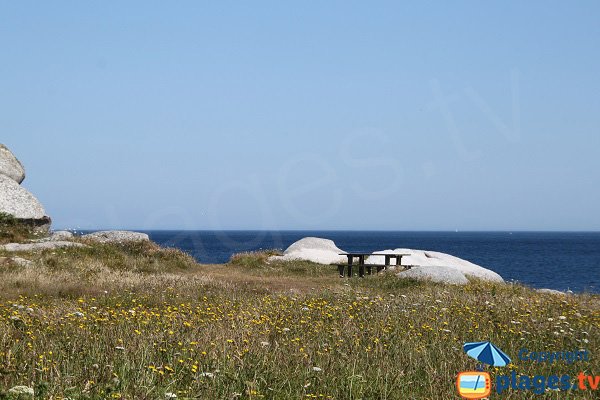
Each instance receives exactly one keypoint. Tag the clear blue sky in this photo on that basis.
(304, 115)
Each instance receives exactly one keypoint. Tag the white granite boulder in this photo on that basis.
(116, 236)
(18, 202)
(317, 250)
(438, 274)
(10, 166)
(422, 258)
(430, 265)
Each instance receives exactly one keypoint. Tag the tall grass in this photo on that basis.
(151, 322)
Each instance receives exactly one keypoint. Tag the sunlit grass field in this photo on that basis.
(140, 322)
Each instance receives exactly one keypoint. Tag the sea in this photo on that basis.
(555, 260)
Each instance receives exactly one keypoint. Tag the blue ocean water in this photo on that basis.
(555, 260)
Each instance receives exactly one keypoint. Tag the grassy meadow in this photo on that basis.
(137, 321)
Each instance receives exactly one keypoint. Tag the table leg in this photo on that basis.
(341, 270)
(361, 268)
(387, 260)
(350, 260)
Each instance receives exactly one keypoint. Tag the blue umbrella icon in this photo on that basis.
(487, 353)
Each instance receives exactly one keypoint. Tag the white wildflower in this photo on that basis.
(317, 369)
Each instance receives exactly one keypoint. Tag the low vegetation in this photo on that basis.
(140, 322)
(11, 230)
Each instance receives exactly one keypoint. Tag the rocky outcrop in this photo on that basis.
(39, 246)
(10, 166)
(22, 205)
(116, 236)
(429, 265)
(56, 236)
(421, 258)
(317, 250)
(437, 274)
(15, 200)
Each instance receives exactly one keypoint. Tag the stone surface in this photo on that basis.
(10, 166)
(324, 251)
(56, 236)
(551, 291)
(39, 246)
(318, 250)
(18, 202)
(116, 236)
(21, 262)
(435, 259)
(439, 274)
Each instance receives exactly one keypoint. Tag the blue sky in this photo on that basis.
(306, 115)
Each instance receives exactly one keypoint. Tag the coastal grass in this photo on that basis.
(139, 322)
(11, 230)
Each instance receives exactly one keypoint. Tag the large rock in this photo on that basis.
(116, 236)
(439, 274)
(444, 267)
(10, 166)
(321, 251)
(18, 202)
(422, 258)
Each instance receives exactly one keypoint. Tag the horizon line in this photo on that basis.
(336, 230)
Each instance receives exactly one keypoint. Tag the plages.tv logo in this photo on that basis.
(474, 385)
(478, 384)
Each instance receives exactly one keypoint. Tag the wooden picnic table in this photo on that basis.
(361, 262)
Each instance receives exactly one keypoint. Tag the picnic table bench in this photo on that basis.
(369, 267)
